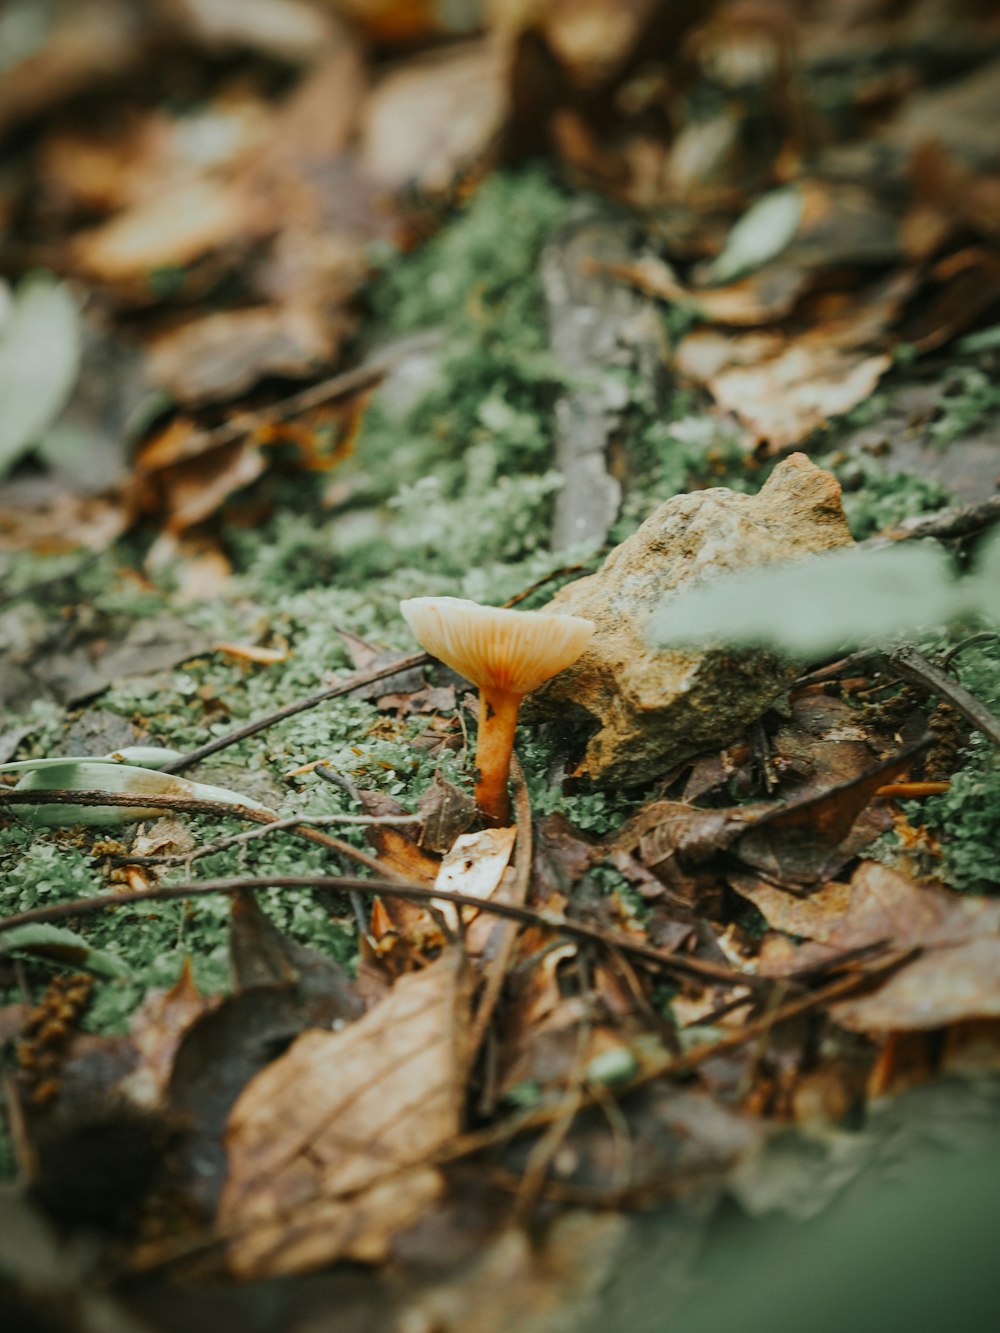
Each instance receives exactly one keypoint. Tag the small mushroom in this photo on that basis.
(507, 654)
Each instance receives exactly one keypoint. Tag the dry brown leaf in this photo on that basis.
(784, 399)
(56, 520)
(219, 356)
(328, 1146)
(475, 866)
(878, 904)
(157, 1030)
(292, 30)
(958, 977)
(174, 229)
(434, 117)
(761, 298)
(944, 986)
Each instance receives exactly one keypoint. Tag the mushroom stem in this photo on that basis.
(497, 725)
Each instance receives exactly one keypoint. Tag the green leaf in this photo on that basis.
(65, 946)
(39, 363)
(763, 231)
(836, 600)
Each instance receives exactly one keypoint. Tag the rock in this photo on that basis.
(652, 709)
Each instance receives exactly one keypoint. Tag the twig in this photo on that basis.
(311, 701)
(398, 888)
(909, 664)
(317, 395)
(546, 578)
(508, 932)
(295, 822)
(190, 805)
(958, 521)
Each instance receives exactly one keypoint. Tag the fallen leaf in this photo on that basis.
(788, 397)
(945, 986)
(435, 117)
(327, 1146)
(761, 298)
(761, 234)
(447, 811)
(475, 866)
(65, 946)
(156, 1031)
(170, 231)
(878, 904)
(221, 355)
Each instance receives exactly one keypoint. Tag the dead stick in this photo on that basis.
(190, 805)
(505, 945)
(714, 973)
(299, 706)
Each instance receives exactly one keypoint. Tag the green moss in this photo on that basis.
(966, 818)
(875, 499)
(968, 399)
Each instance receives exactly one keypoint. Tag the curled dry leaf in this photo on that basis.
(784, 398)
(328, 1146)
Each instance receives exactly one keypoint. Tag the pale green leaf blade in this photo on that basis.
(840, 599)
(39, 363)
(764, 230)
(65, 946)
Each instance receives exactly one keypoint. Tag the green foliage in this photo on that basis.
(968, 398)
(841, 598)
(875, 499)
(966, 818)
(39, 362)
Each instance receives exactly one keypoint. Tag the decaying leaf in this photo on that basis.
(475, 865)
(328, 1146)
(157, 1029)
(784, 399)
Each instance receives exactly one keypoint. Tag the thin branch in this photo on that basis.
(911, 665)
(190, 805)
(299, 706)
(293, 822)
(908, 663)
(956, 522)
(505, 945)
(714, 973)
(318, 395)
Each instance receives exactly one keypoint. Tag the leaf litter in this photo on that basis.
(623, 997)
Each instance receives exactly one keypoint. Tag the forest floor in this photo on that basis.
(282, 348)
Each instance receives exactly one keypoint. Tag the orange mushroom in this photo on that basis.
(507, 654)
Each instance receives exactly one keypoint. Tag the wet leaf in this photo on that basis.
(327, 1146)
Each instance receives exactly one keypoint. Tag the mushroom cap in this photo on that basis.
(497, 649)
